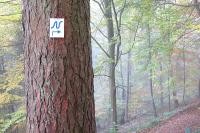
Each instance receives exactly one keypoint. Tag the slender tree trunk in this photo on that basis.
(176, 103)
(199, 88)
(161, 86)
(2, 65)
(169, 66)
(184, 74)
(152, 95)
(110, 28)
(122, 121)
(122, 81)
(199, 80)
(168, 83)
(128, 85)
(151, 71)
(58, 72)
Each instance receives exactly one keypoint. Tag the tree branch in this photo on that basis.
(102, 75)
(99, 30)
(100, 6)
(135, 35)
(181, 5)
(100, 47)
(118, 25)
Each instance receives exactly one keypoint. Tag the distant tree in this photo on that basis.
(112, 68)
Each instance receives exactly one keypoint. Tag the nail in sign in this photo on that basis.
(56, 27)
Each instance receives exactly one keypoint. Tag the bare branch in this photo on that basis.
(102, 75)
(100, 47)
(99, 29)
(100, 6)
(135, 35)
(181, 5)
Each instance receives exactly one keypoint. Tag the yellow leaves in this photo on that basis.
(10, 18)
(6, 98)
(137, 100)
(183, 1)
(10, 12)
(194, 27)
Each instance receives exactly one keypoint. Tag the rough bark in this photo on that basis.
(58, 72)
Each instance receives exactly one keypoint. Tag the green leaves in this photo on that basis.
(15, 118)
(13, 75)
(10, 11)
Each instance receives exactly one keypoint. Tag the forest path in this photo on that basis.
(186, 121)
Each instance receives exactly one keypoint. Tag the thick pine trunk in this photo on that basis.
(58, 72)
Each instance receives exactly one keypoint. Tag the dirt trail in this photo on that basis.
(189, 118)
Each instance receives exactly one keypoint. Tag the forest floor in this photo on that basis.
(184, 121)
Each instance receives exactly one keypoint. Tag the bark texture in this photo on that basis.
(58, 72)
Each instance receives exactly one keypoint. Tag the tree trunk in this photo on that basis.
(128, 85)
(58, 72)
(110, 28)
(168, 84)
(184, 74)
(122, 121)
(161, 86)
(122, 81)
(151, 71)
(176, 103)
(2, 65)
(199, 88)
